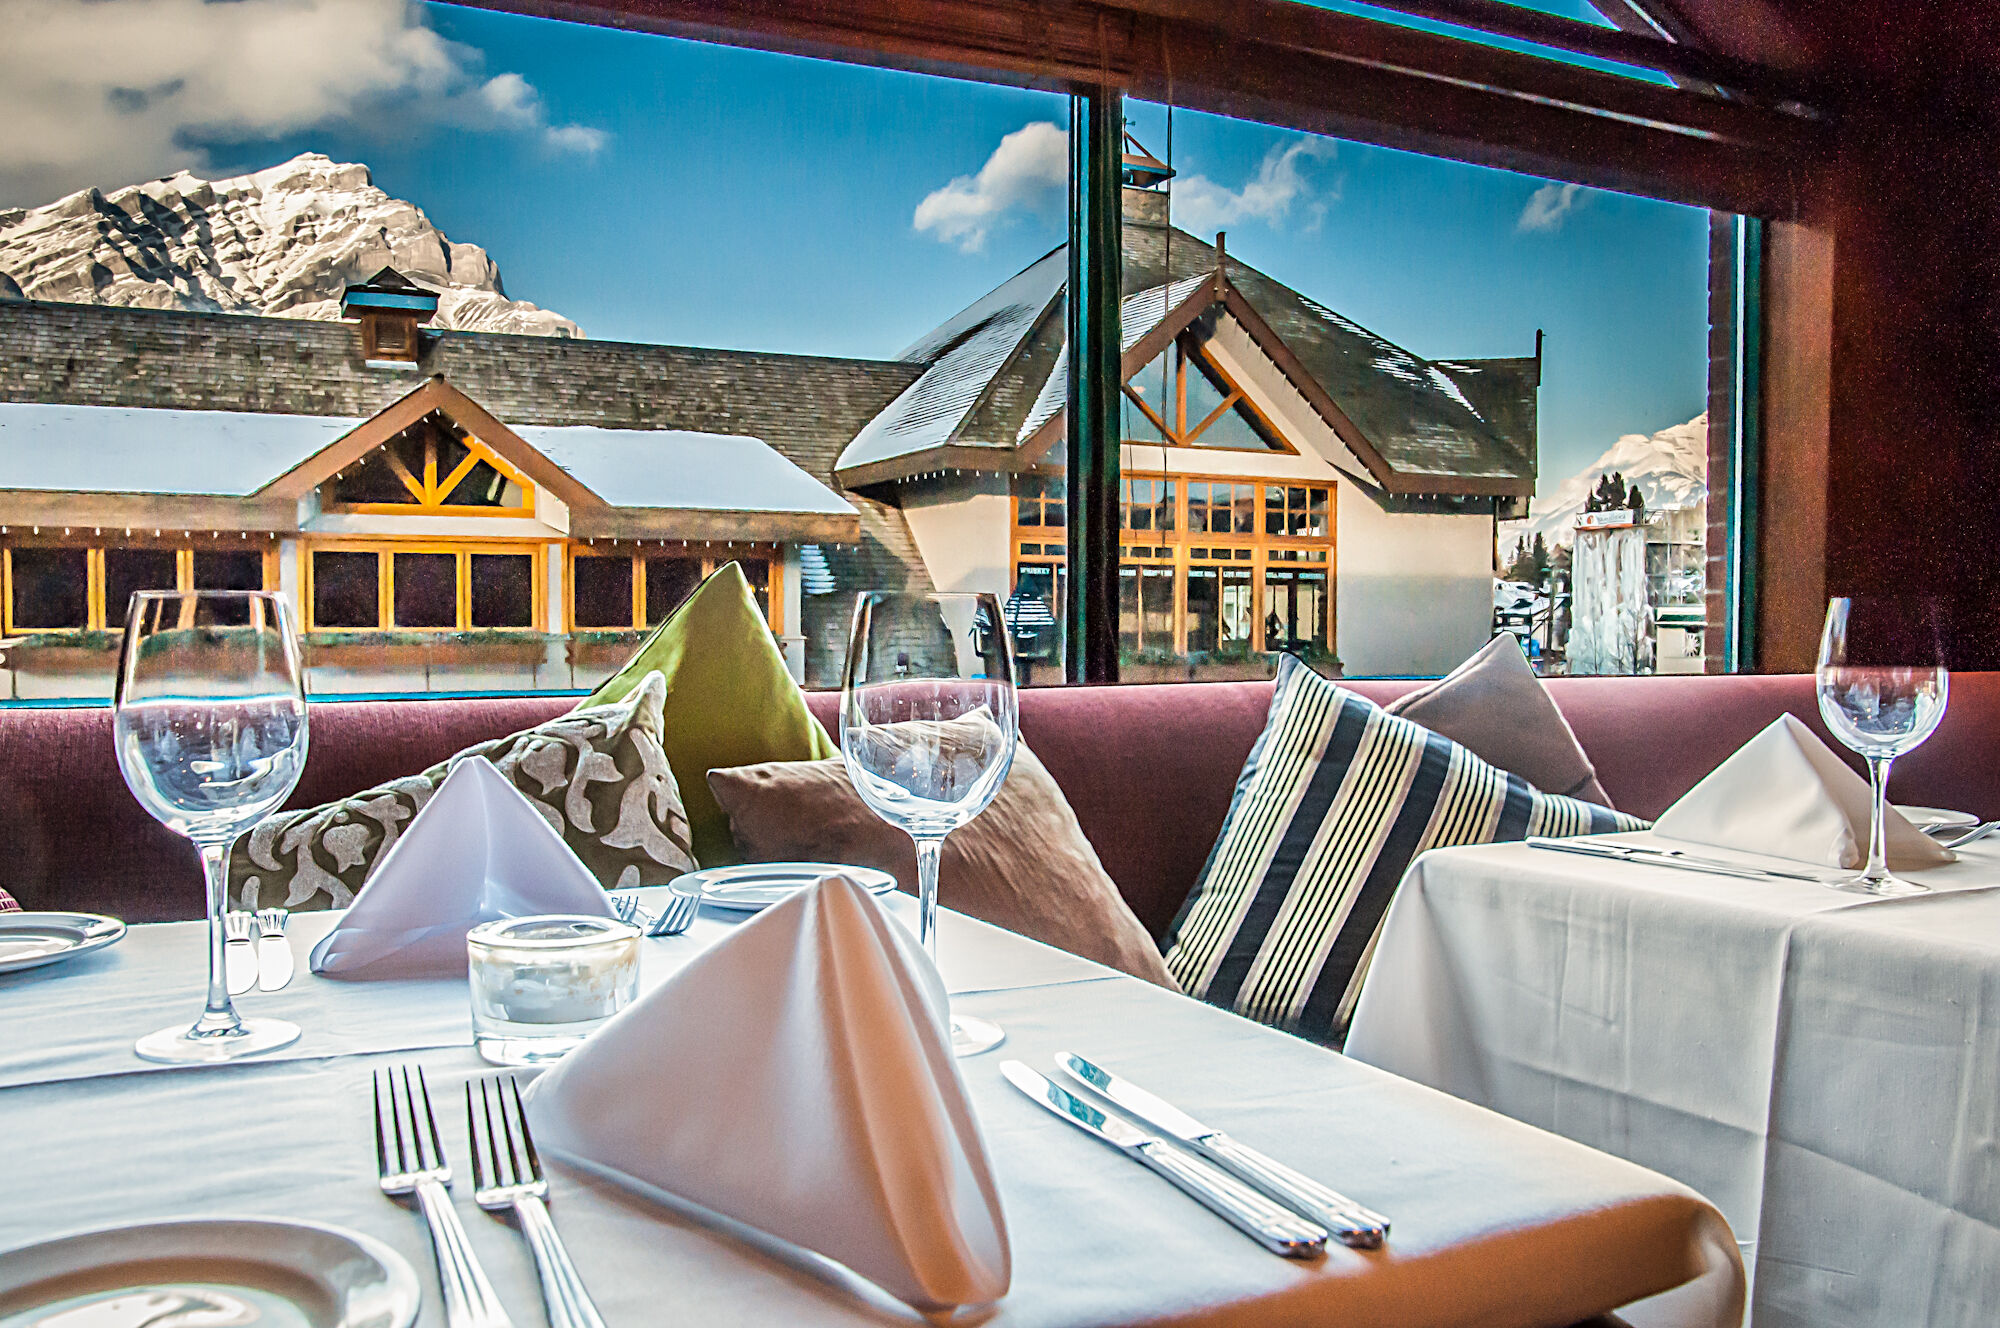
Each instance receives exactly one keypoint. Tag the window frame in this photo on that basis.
(431, 490)
(386, 547)
(772, 555)
(96, 611)
(1188, 347)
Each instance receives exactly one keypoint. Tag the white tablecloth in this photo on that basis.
(1824, 1066)
(1495, 1223)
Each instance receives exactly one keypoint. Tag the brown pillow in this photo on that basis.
(1022, 864)
(1495, 706)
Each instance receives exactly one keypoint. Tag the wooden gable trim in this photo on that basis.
(434, 395)
(1178, 320)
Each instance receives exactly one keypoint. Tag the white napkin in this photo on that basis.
(1785, 794)
(476, 852)
(798, 1078)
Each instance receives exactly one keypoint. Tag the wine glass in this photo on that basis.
(927, 730)
(1882, 690)
(210, 727)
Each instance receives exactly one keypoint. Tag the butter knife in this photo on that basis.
(1277, 1229)
(239, 957)
(274, 952)
(1350, 1223)
(1668, 857)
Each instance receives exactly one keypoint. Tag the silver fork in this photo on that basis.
(502, 1184)
(469, 1301)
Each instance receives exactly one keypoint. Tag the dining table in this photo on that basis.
(1494, 1223)
(1824, 1065)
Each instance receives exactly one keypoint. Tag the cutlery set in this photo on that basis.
(254, 951)
(506, 1177)
(1285, 1212)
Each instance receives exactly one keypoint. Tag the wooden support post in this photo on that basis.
(1096, 137)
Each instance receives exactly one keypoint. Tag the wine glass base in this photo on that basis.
(1882, 887)
(181, 1045)
(971, 1036)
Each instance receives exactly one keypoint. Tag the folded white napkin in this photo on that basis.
(476, 852)
(1785, 794)
(798, 1078)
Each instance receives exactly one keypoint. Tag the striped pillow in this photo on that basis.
(1336, 800)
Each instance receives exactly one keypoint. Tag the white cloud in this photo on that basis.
(1028, 172)
(115, 91)
(1203, 206)
(1549, 205)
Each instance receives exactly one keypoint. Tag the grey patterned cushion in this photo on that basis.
(599, 775)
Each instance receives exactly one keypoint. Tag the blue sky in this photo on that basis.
(741, 199)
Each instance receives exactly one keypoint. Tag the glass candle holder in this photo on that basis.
(541, 984)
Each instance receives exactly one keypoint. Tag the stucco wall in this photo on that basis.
(1415, 590)
(961, 524)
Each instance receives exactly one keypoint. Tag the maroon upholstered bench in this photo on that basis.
(1149, 769)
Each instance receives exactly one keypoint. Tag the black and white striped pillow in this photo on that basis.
(1336, 800)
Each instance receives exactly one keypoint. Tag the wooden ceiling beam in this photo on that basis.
(1290, 65)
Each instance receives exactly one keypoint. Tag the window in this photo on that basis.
(432, 467)
(1296, 510)
(69, 589)
(1038, 501)
(1184, 399)
(1218, 508)
(1149, 504)
(423, 587)
(613, 591)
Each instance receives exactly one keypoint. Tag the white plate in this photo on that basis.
(758, 885)
(198, 1272)
(1932, 819)
(29, 940)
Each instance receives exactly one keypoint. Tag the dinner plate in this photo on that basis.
(29, 940)
(758, 885)
(209, 1273)
(1930, 820)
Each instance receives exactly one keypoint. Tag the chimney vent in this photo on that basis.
(390, 307)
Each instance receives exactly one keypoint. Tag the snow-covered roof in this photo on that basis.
(233, 454)
(675, 468)
(964, 353)
(1138, 314)
(112, 449)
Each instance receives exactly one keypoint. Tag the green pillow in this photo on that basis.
(730, 700)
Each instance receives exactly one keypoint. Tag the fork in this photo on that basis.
(669, 921)
(1980, 831)
(469, 1301)
(502, 1184)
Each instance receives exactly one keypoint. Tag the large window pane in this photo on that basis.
(668, 582)
(503, 590)
(127, 570)
(603, 591)
(426, 589)
(346, 589)
(51, 589)
(232, 570)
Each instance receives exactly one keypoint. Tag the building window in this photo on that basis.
(433, 467)
(613, 591)
(1039, 501)
(1218, 508)
(1296, 510)
(1295, 610)
(68, 589)
(1148, 504)
(423, 587)
(1184, 399)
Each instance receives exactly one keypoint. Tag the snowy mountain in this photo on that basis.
(282, 241)
(1670, 468)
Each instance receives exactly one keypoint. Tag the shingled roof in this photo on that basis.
(992, 377)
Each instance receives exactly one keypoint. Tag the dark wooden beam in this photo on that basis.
(1096, 258)
(1291, 65)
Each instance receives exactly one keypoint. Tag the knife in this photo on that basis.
(1351, 1224)
(239, 957)
(1277, 1229)
(1668, 857)
(274, 952)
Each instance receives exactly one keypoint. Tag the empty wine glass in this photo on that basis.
(210, 727)
(927, 730)
(1882, 690)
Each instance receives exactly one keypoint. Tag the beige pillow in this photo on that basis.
(1494, 706)
(599, 776)
(1022, 864)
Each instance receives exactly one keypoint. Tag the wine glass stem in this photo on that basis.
(929, 852)
(1878, 836)
(220, 1016)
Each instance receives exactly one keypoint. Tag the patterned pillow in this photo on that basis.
(600, 776)
(1337, 798)
(7, 904)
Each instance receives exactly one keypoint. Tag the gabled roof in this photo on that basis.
(1419, 427)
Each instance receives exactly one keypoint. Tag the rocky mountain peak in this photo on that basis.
(282, 241)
